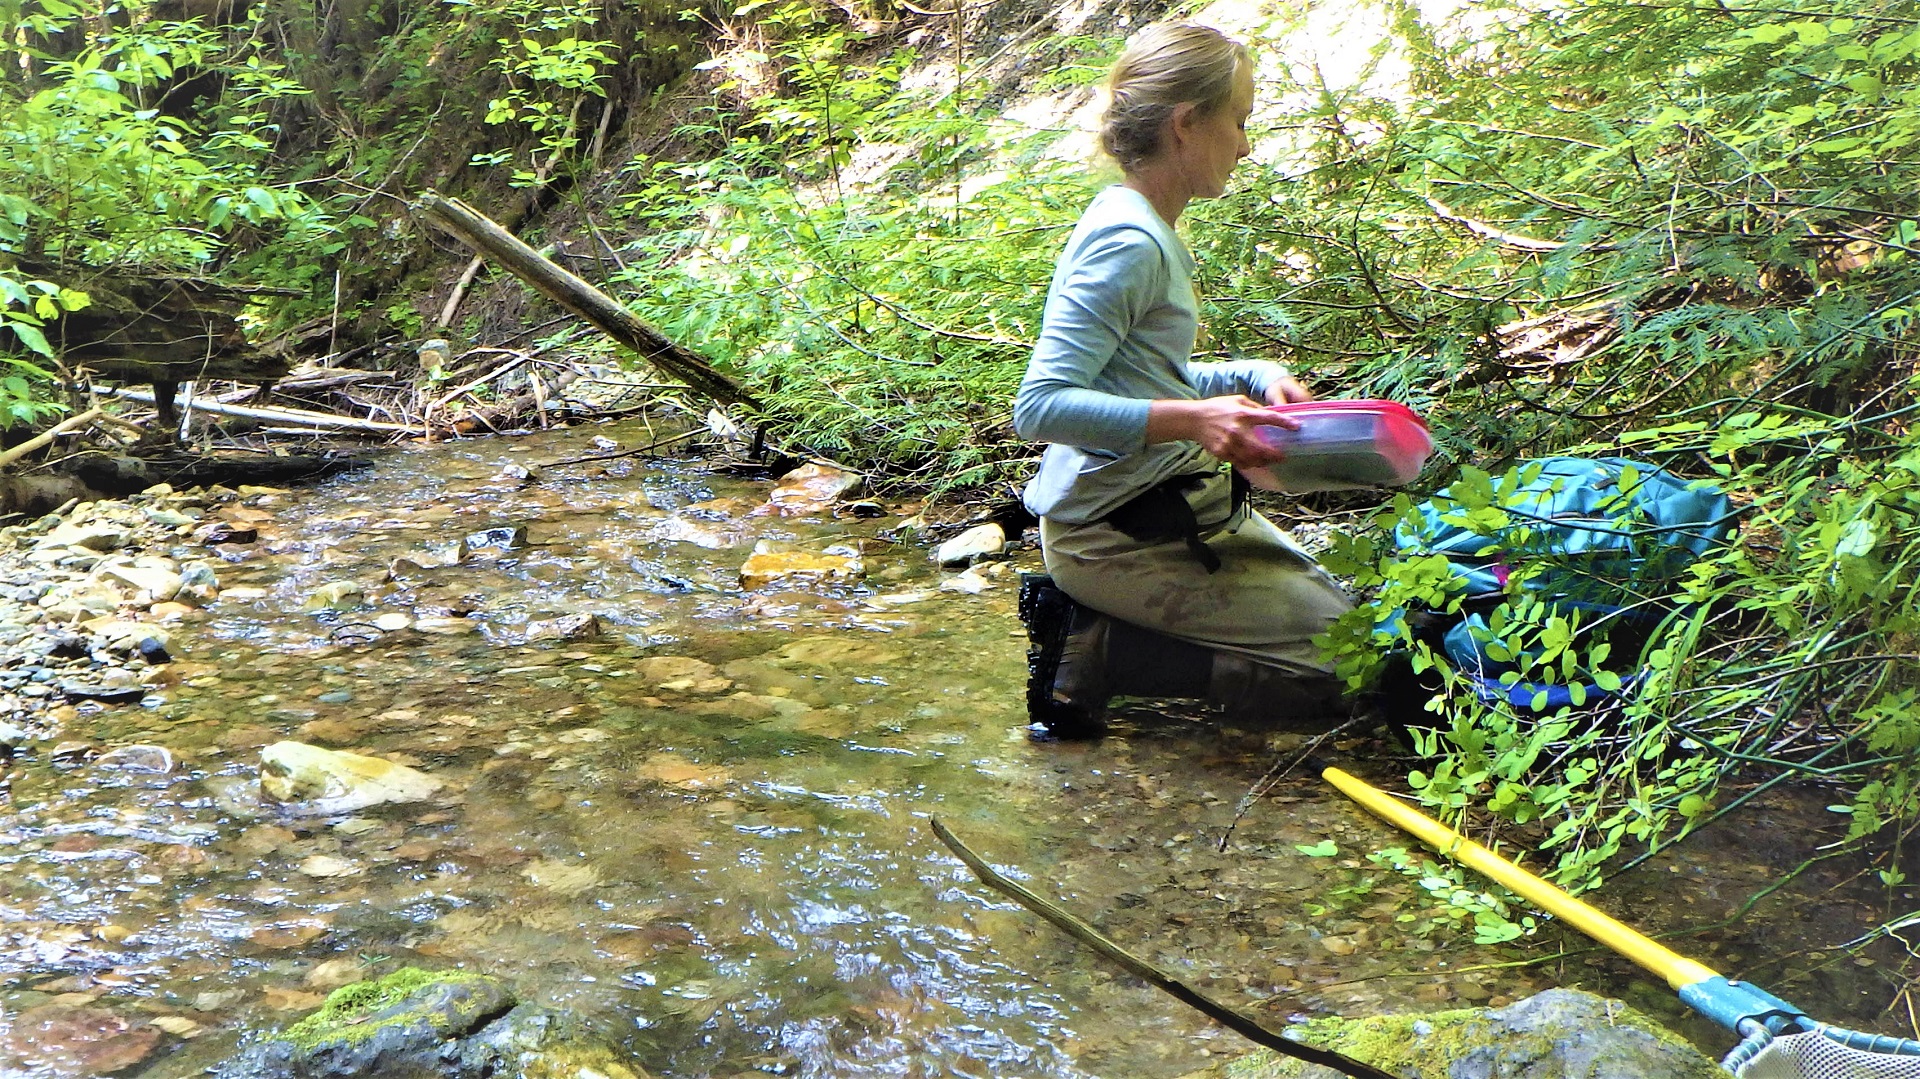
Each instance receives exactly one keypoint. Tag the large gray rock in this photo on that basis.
(1558, 1034)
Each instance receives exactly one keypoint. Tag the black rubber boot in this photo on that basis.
(1078, 659)
(1066, 660)
(1249, 690)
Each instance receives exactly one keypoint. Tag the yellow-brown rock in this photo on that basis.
(795, 568)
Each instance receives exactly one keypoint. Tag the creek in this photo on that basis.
(704, 829)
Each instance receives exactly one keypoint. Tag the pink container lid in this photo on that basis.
(1345, 445)
(1370, 406)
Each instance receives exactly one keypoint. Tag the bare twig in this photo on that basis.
(291, 416)
(46, 437)
(648, 448)
(1491, 232)
(1237, 1021)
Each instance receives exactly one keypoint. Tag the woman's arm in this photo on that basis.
(1110, 286)
(1262, 380)
(1113, 282)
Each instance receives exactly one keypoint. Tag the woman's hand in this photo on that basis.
(1227, 427)
(1286, 389)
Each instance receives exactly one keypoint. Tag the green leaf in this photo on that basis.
(1326, 848)
(31, 337)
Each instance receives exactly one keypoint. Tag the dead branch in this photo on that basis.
(1237, 1021)
(518, 359)
(583, 299)
(648, 448)
(519, 404)
(296, 417)
(1491, 232)
(459, 292)
(46, 437)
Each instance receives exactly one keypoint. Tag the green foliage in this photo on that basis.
(1454, 903)
(96, 174)
(890, 322)
(550, 72)
(25, 308)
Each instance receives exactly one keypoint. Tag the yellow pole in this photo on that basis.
(1678, 970)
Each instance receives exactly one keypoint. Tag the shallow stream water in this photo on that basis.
(725, 864)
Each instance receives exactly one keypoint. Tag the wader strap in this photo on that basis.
(1161, 513)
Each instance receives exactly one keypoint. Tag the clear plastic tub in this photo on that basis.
(1344, 445)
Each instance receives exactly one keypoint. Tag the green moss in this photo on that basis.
(1394, 1044)
(342, 1018)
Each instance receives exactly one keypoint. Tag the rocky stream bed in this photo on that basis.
(655, 750)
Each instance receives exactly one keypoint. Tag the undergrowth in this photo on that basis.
(1680, 232)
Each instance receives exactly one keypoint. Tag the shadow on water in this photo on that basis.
(704, 827)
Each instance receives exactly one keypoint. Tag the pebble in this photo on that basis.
(83, 593)
(154, 760)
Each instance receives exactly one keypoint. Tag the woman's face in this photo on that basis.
(1216, 143)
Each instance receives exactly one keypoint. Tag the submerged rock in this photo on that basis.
(308, 779)
(682, 674)
(503, 538)
(151, 759)
(67, 1041)
(981, 541)
(769, 567)
(83, 691)
(336, 596)
(569, 627)
(1558, 1034)
(416, 1024)
(808, 490)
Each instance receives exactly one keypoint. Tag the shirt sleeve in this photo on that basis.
(1113, 282)
(1251, 377)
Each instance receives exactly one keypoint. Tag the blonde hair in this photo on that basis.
(1163, 67)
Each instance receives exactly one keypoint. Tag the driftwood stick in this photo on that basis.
(297, 417)
(459, 292)
(574, 294)
(326, 380)
(648, 448)
(46, 437)
(511, 365)
(1492, 232)
(1237, 1021)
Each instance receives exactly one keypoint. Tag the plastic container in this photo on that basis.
(1344, 445)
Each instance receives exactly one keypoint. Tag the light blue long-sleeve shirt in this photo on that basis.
(1119, 327)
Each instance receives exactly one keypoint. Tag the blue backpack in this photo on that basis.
(1600, 540)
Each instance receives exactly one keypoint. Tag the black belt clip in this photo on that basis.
(1161, 513)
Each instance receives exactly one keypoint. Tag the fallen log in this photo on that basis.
(293, 417)
(569, 291)
(122, 475)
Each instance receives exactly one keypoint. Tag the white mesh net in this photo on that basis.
(1816, 1056)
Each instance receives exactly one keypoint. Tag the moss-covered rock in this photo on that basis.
(422, 1004)
(1558, 1034)
(406, 1025)
(417, 1024)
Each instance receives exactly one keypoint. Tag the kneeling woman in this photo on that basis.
(1185, 590)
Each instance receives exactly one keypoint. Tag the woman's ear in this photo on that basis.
(1181, 121)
